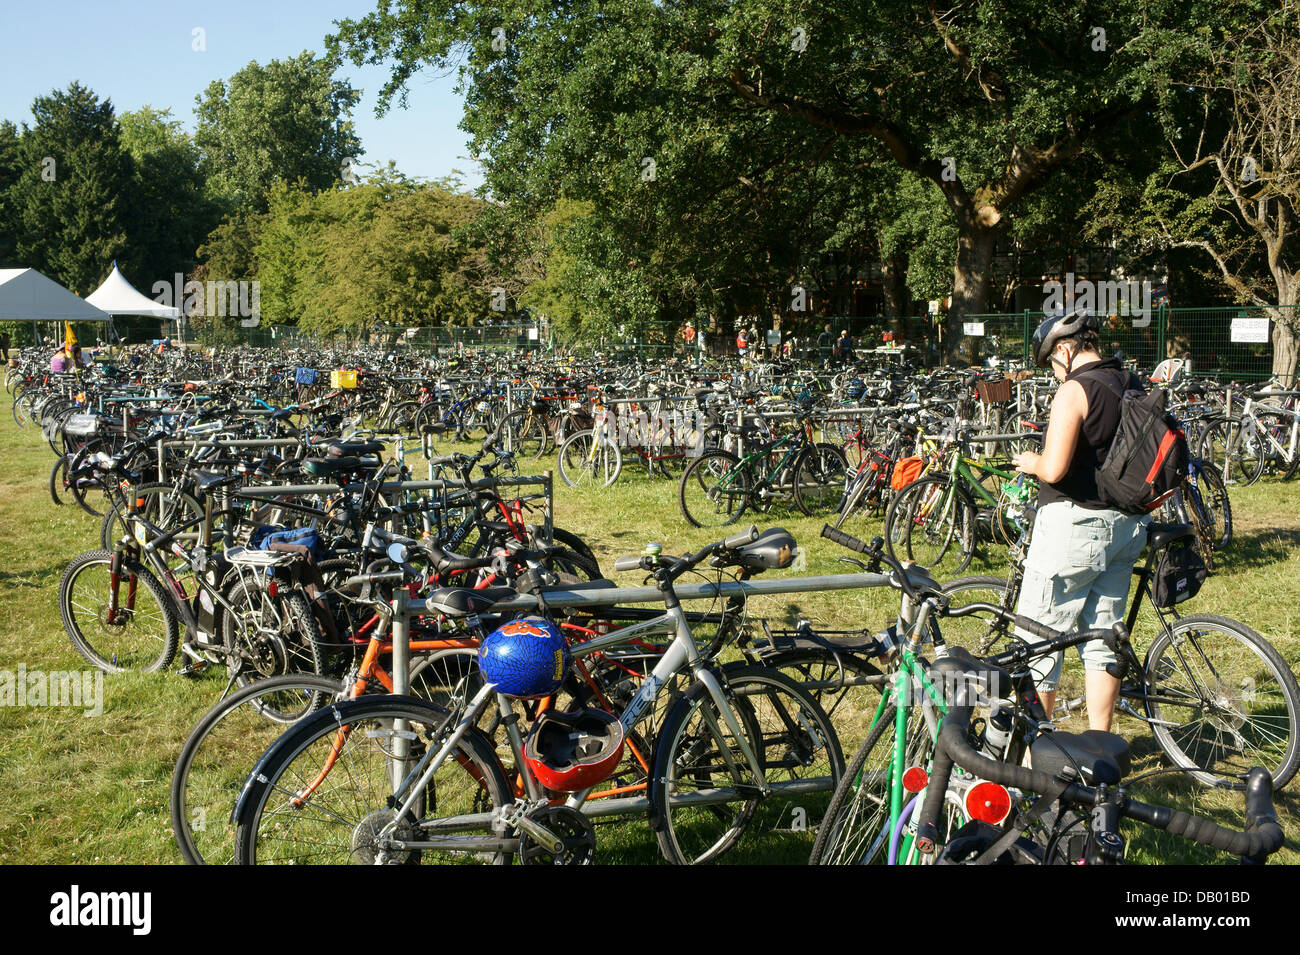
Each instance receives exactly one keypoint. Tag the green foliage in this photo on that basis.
(170, 211)
(390, 249)
(286, 121)
(73, 224)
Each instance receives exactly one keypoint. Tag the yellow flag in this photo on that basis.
(69, 339)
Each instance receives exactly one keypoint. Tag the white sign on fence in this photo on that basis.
(532, 334)
(974, 329)
(1250, 330)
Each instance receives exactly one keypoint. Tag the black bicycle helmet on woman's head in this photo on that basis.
(1053, 329)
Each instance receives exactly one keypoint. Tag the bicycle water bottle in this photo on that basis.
(997, 730)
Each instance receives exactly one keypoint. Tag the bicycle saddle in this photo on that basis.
(1102, 757)
(461, 602)
(319, 466)
(1162, 535)
(352, 448)
(206, 480)
(774, 549)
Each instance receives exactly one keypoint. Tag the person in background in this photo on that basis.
(4, 346)
(826, 345)
(742, 343)
(844, 348)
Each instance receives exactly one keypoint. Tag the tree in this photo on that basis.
(73, 191)
(1231, 185)
(286, 121)
(387, 249)
(10, 167)
(170, 212)
(985, 103)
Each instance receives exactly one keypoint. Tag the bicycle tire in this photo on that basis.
(919, 506)
(819, 479)
(269, 635)
(702, 496)
(791, 737)
(336, 823)
(205, 783)
(1189, 668)
(853, 829)
(151, 649)
(579, 468)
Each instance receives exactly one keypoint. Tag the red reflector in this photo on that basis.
(988, 802)
(914, 779)
(273, 589)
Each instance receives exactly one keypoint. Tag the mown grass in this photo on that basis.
(95, 789)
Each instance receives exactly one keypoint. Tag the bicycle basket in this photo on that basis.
(994, 392)
(305, 376)
(1179, 573)
(906, 470)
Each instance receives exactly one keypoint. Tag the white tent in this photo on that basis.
(117, 296)
(28, 296)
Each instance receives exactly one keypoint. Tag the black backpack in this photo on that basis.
(1147, 461)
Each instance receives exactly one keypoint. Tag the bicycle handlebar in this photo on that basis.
(1264, 839)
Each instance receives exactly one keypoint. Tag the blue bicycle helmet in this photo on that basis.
(525, 658)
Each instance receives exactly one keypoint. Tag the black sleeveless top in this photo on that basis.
(1099, 426)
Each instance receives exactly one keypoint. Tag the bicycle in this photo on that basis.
(421, 781)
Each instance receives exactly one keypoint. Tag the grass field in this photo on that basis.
(89, 789)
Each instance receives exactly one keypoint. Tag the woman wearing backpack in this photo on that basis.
(1080, 561)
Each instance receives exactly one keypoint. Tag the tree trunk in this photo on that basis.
(893, 276)
(970, 286)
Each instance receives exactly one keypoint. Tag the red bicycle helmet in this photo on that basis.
(569, 752)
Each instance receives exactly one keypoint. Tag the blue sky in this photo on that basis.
(140, 52)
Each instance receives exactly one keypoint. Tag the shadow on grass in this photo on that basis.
(1261, 548)
(32, 578)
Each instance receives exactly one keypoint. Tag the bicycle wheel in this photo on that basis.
(714, 490)
(977, 634)
(1222, 700)
(819, 479)
(214, 760)
(1214, 499)
(703, 793)
(267, 635)
(579, 466)
(931, 523)
(846, 686)
(855, 828)
(161, 505)
(141, 634)
(1248, 446)
(322, 792)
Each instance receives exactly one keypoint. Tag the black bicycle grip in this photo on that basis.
(740, 540)
(843, 539)
(446, 563)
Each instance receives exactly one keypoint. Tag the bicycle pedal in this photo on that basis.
(194, 668)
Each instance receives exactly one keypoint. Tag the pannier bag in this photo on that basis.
(906, 470)
(1178, 576)
(305, 376)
